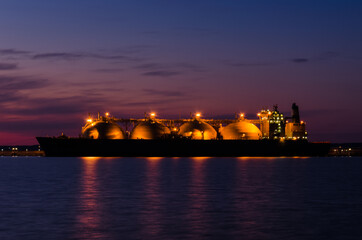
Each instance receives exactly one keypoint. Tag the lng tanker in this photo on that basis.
(272, 134)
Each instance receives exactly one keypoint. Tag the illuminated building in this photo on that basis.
(295, 129)
(272, 123)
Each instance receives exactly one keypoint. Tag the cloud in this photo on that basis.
(63, 56)
(37, 125)
(150, 66)
(115, 55)
(190, 66)
(12, 51)
(15, 101)
(108, 70)
(132, 49)
(9, 96)
(145, 104)
(323, 56)
(109, 57)
(101, 91)
(11, 86)
(300, 60)
(57, 106)
(175, 66)
(16, 83)
(164, 93)
(161, 73)
(8, 66)
(157, 67)
(71, 56)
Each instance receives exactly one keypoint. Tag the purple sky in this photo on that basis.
(60, 60)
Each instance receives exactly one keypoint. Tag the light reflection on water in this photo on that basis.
(90, 204)
(197, 196)
(150, 215)
(180, 198)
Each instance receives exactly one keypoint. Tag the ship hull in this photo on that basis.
(76, 147)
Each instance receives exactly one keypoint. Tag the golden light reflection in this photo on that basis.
(90, 158)
(249, 192)
(90, 204)
(257, 158)
(200, 158)
(110, 158)
(95, 158)
(197, 193)
(151, 217)
(154, 158)
(269, 158)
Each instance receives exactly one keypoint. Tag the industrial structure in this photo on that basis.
(271, 134)
(270, 124)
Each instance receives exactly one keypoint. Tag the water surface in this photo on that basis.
(180, 198)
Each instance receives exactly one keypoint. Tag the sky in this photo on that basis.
(60, 60)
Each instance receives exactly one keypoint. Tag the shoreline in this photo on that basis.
(22, 153)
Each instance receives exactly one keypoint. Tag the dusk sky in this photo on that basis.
(60, 60)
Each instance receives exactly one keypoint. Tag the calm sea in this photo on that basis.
(180, 198)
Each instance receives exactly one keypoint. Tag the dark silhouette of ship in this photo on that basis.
(150, 137)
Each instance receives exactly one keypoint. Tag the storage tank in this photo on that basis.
(241, 130)
(103, 130)
(150, 129)
(197, 129)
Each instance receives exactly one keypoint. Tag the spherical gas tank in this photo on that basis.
(197, 129)
(240, 130)
(150, 130)
(103, 130)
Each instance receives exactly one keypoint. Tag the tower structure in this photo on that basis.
(296, 128)
(276, 124)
